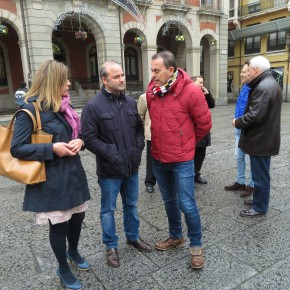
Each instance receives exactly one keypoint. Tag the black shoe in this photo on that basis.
(149, 188)
(200, 180)
(140, 245)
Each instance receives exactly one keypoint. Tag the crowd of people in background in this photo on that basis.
(174, 118)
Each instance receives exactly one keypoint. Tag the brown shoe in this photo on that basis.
(140, 245)
(197, 259)
(249, 190)
(170, 243)
(235, 187)
(113, 258)
(248, 202)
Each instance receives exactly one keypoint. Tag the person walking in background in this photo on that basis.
(200, 148)
(114, 132)
(62, 200)
(260, 136)
(20, 94)
(240, 184)
(179, 117)
(150, 179)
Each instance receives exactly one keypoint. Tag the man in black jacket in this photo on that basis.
(260, 136)
(200, 148)
(114, 132)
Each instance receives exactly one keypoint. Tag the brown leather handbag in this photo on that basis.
(23, 171)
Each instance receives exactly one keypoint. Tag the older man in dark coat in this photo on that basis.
(260, 136)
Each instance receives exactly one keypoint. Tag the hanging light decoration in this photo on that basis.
(179, 37)
(138, 40)
(81, 34)
(3, 29)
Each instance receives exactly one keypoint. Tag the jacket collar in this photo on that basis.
(182, 80)
(112, 96)
(255, 81)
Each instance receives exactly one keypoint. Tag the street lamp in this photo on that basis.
(287, 72)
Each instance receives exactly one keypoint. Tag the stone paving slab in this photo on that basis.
(240, 253)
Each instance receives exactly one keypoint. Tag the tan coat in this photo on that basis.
(144, 115)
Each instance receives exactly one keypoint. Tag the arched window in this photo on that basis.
(58, 52)
(131, 64)
(94, 64)
(3, 76)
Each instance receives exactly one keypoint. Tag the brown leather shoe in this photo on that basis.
(249, 190)
(113, 258)
(140, 245)
(248, 202)
(197, 259)
(235, 187)
(170, 243)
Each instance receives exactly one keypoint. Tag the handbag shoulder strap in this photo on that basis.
(38, 120)
(35, 125)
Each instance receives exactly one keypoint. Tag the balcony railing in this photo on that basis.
(174, 2)
(210, 5)
(261, 6)
(175, 5)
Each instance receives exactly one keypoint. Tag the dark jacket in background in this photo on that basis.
(206, 140)
(66, 185)
(260, 124)
(114, 132)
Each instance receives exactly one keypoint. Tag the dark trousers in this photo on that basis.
(150, 178)
(198, 159)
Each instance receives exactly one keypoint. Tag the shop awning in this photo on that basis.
(260, 29)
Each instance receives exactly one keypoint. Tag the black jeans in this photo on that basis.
(150, 178)
(198, 159)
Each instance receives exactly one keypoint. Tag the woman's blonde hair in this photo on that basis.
(47, 85)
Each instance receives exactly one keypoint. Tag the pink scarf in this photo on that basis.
(70, 115)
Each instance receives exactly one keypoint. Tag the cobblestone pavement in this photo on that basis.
(240, 253)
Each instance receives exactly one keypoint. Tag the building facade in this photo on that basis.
(84, 34)
(258, 28)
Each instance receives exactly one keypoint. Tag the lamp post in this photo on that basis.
(287, 72)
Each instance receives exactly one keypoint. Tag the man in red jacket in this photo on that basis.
(179, 118)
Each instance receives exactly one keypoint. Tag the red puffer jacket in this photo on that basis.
(179, 119)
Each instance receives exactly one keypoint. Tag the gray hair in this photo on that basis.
(260, 62)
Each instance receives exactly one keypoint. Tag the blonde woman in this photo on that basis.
(62, 200)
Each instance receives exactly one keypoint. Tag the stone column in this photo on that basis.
(147, 53)
(193, 61)
(214, 71)
(23, 53)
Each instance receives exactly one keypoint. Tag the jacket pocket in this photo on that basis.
(133, 117)
(107, 122)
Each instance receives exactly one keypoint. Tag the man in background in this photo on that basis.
(150, 179)
(240, 184)
(200, 148)
(20, 94)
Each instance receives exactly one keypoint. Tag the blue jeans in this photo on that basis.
(241, 162)
(176, 183)
(261, 175)
(128, 187)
